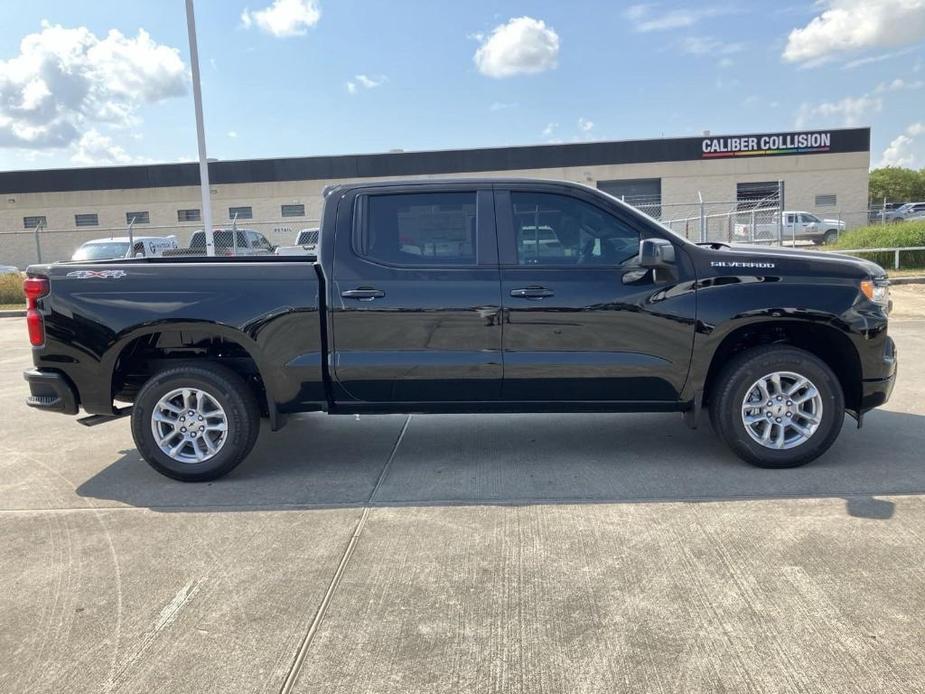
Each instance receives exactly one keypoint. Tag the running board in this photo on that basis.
(95, 419)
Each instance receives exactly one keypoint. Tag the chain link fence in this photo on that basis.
(754, 221)
(234, 237)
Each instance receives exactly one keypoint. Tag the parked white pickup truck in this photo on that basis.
(798, 226)
(306, 243)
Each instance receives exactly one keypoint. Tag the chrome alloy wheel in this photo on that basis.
(782, 410)
(189, 425)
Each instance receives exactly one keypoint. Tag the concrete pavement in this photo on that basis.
(532, 553)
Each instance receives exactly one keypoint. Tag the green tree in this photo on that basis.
(896, 184)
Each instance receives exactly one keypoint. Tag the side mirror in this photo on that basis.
(656, 253)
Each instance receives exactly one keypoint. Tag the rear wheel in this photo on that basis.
(195, 422)
(778, 406)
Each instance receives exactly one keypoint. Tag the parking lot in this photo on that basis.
(530, 553)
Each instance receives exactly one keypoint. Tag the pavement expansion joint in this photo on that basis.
(306, 642)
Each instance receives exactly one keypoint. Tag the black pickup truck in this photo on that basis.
(465, 295)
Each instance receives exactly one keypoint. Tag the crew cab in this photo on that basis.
(465, 295)
(797, 226)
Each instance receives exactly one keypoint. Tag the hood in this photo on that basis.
(791, 260)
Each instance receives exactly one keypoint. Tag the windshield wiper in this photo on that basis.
(716, 245)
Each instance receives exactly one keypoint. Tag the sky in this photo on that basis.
(108, 82)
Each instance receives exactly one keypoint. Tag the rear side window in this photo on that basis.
(554, 229)
(419, 229)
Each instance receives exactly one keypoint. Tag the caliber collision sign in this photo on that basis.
(764, 145)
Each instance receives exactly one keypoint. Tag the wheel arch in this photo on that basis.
(828, 343)
(185, 341)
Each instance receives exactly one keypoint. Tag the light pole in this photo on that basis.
(200, 130)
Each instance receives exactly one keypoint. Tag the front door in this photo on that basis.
(415, 296)
(583, 322)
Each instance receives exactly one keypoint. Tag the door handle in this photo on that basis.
(532, 293)
(363, 294)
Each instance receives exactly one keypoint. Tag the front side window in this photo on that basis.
(554, 229)
(420, 229)
(809, 219)
(259, 241)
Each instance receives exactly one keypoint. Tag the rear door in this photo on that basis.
(415, 297)
(583, 322)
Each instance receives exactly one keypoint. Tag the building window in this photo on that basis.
(188, 216)
(645, 194)
(420, 229)
(293, 210)
(137, 218)
(758, 193)
(826, 200)
(240, 212)
(87, 220)
(32, 222)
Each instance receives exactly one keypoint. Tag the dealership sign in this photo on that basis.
(764, 145)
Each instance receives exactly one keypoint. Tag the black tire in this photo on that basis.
(228, 389)
(831, 236)
(742, 372)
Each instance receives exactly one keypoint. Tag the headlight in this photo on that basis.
(877, 291)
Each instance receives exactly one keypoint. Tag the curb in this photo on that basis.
(907, 280)
(13, 313)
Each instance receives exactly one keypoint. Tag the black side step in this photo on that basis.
(94, 419)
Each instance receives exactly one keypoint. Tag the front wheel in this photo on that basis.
(195, 422)
(831, 236)
(778, 406)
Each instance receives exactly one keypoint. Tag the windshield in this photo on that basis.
(101, 251)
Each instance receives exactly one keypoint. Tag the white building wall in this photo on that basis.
(845, 175)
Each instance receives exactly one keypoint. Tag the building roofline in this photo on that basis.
(390, 164)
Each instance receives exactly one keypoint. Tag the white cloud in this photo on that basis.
(898, 85)
(233, 134)
(284, 17)
(853, 25)
(65, 80)
(585, 125)
(365, 82)
(707, 45)
(550, 129)
(902, 150)
(95, 148)
(501, 106)
(523, 46)
(645, 18)
(846, 112)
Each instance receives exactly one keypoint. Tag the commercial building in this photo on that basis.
(824, 172)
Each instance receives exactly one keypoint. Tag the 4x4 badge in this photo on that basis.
(96, 274)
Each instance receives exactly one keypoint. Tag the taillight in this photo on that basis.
(34, 289)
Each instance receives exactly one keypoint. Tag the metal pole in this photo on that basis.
(703, 219)
(780, 214)
(131, 238)
(200, 130)
(38, 245)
